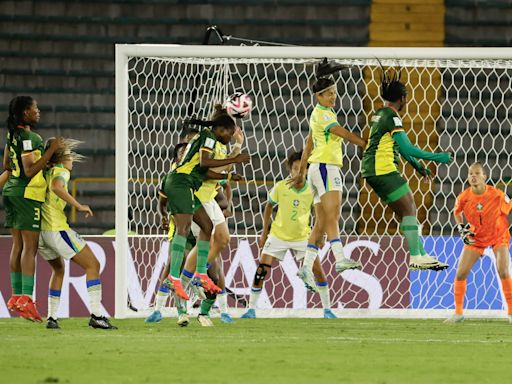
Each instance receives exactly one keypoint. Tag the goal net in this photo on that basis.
(459, 100)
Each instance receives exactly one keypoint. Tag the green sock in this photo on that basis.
(177, 254)
(422, 250)
(16, 283)
(203, 247)
(206, 305)
(27, 285)
(409, 227)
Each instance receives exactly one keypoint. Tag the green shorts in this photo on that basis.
(181, 199)
(22, 214)
(390, 187)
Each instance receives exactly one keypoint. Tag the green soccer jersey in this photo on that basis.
(21, 143)
(189, 170)
(381, 155)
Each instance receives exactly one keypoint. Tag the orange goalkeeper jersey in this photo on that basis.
(487, 214)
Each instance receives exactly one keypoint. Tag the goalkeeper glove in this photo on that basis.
(465, 233)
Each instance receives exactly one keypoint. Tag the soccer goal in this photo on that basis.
(460, 100)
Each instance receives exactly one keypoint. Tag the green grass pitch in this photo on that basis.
(380, 351)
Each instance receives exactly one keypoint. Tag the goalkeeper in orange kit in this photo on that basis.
(485, 209)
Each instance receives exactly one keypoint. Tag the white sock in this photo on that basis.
(325, 298)
(94, 289)
(186, 278)
(161, 298)
(337, 249)
(309, 258)
(254, 297)
(53, 303)
(222, 301)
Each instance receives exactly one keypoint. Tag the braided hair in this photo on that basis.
(17, 106)
(391, 88)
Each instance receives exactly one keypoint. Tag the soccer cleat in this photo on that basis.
(52, 323)
(11, 304)
(424, 262)
(183, 320)
(155, 317)
(196, 286)
(307, 277)
(27, 309)
(100, 322)
(345, 264)
(328, 314)
(454, 319)
(250, 314)
(226, 318)
(204, 280)
(175, 286)
(205, 320)
(326, 68)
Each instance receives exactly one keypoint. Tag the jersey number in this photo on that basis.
(16, 167)
(37, 214)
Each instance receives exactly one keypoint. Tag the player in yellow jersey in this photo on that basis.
(289, 232)
(323, 152)
(23, 194)
(58, 242)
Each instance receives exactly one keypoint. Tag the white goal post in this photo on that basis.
(460, 99)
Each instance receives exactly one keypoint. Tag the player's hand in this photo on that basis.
(227, 212)
(427, 174)
(238, 135)
(242, 158)
(56, 143)
(236, 177)
(446, 157)
(86, 209)
(297, 182)
(263, 239)
(165, 223)
(466, 233)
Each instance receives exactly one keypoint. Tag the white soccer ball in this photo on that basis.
(238, 105)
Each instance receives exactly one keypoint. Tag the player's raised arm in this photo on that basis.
(408, 150)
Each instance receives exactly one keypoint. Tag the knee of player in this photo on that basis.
(260, 274)
(183, 230)
(222, 239)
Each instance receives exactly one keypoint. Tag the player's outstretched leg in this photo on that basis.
(503, 266)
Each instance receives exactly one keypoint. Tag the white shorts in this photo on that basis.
(214, 213)
(323, 178)
(277, 248)
(54, 244)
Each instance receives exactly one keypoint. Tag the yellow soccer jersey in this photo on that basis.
(208, 190)
(54, 218)
(292, 222)
(326, 146)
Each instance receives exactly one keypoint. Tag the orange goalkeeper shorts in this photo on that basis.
(502, 241)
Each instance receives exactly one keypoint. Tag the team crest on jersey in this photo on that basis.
(479, 206)
(327, 117)
(295, 203)
(397, 121)
(375, 119)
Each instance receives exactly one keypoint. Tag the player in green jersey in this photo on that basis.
(23, 194)
(289, 233)
(380, 163)
(185, 207)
